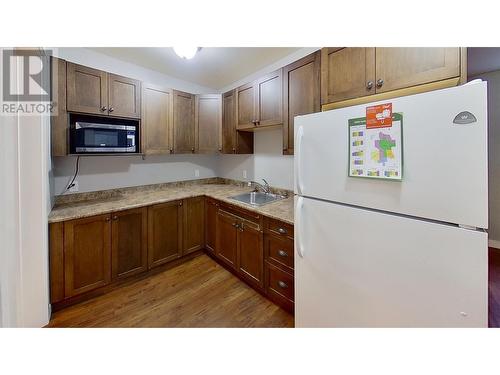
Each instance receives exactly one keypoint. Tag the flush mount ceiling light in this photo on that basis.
(186, 52)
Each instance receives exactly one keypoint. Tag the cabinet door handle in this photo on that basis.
(282, 284)
(369, 85)
(380, 82)
(108, 218)
(180, 203)
(104, 108)
(115, 217)
(111, 109)
(282, 253)
(282, 230)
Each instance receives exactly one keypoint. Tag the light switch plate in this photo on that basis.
(244, 173)
(196, 173)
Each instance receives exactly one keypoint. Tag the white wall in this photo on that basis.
(25, 194)
(109, 172)
(266, 162)
(493, 79)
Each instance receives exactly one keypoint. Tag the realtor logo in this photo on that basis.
(26, 74)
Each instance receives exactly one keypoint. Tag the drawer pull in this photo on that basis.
(282, 230)
(282, 284)
(282, 253)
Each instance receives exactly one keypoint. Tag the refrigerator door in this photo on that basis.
(445, 175)
(362, 268)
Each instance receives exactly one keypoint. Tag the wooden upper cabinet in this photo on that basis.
(347, 73)
(398, 68)
(87, 254)
(183, 122)
(194, 224)
(87, 89)
(260, 103)
(233, 141)
(124, 96)
(245, 108)
(301, 94)
(269, 100)
(164, 233)
(208, 115)
(157, 120)
(129, 242)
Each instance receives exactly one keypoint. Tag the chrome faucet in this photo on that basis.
(264, 187)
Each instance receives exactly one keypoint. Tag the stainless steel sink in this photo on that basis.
(257, 198)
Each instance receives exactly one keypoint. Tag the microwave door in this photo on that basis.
(105, 138)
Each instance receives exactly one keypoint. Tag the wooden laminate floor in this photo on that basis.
(198, 293)
(494, 288)
(201, 293)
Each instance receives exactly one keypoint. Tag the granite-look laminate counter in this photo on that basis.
(124, 199)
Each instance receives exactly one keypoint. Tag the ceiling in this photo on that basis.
(214, 67)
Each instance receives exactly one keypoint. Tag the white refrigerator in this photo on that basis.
(373, 252)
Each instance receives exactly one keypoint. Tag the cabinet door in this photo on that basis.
(183, 121)
(227, 238)
(164, 233)
(208, 115)
(124, 96)
(301, 94)
(398, 68)
(233, 141)
(59, 121)
(211, 208)
(129, 242)
(245, 107)
(250, 253)
(347, 73)
(269, 99)
(194, 224)
(156, 120)
(86, 90)
(87, 254)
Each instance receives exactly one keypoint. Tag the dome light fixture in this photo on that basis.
(186, 52)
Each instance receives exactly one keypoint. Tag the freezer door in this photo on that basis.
(445, 175)
(361, 268)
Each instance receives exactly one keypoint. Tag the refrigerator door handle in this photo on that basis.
(298, 219)
(300, 134)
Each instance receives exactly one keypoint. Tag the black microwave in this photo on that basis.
(95, 138)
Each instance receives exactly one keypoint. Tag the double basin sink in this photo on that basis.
(257, 198)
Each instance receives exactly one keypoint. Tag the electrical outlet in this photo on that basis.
(74, 188)
(196, 173)
(244, 173)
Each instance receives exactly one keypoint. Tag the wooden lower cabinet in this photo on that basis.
(87, 254)
(164, 233)
(250, 253)
(194, 224)
(129, 242)
(227, 238)
(211, 208)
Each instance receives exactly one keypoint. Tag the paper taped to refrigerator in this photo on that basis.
(376, 153)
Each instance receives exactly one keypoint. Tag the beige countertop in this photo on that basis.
(123, 199)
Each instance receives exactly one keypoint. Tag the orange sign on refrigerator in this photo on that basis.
(379, 116)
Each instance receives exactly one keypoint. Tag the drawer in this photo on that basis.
(279, 250)
(241, 212)
(280, 284)
(280, 228)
